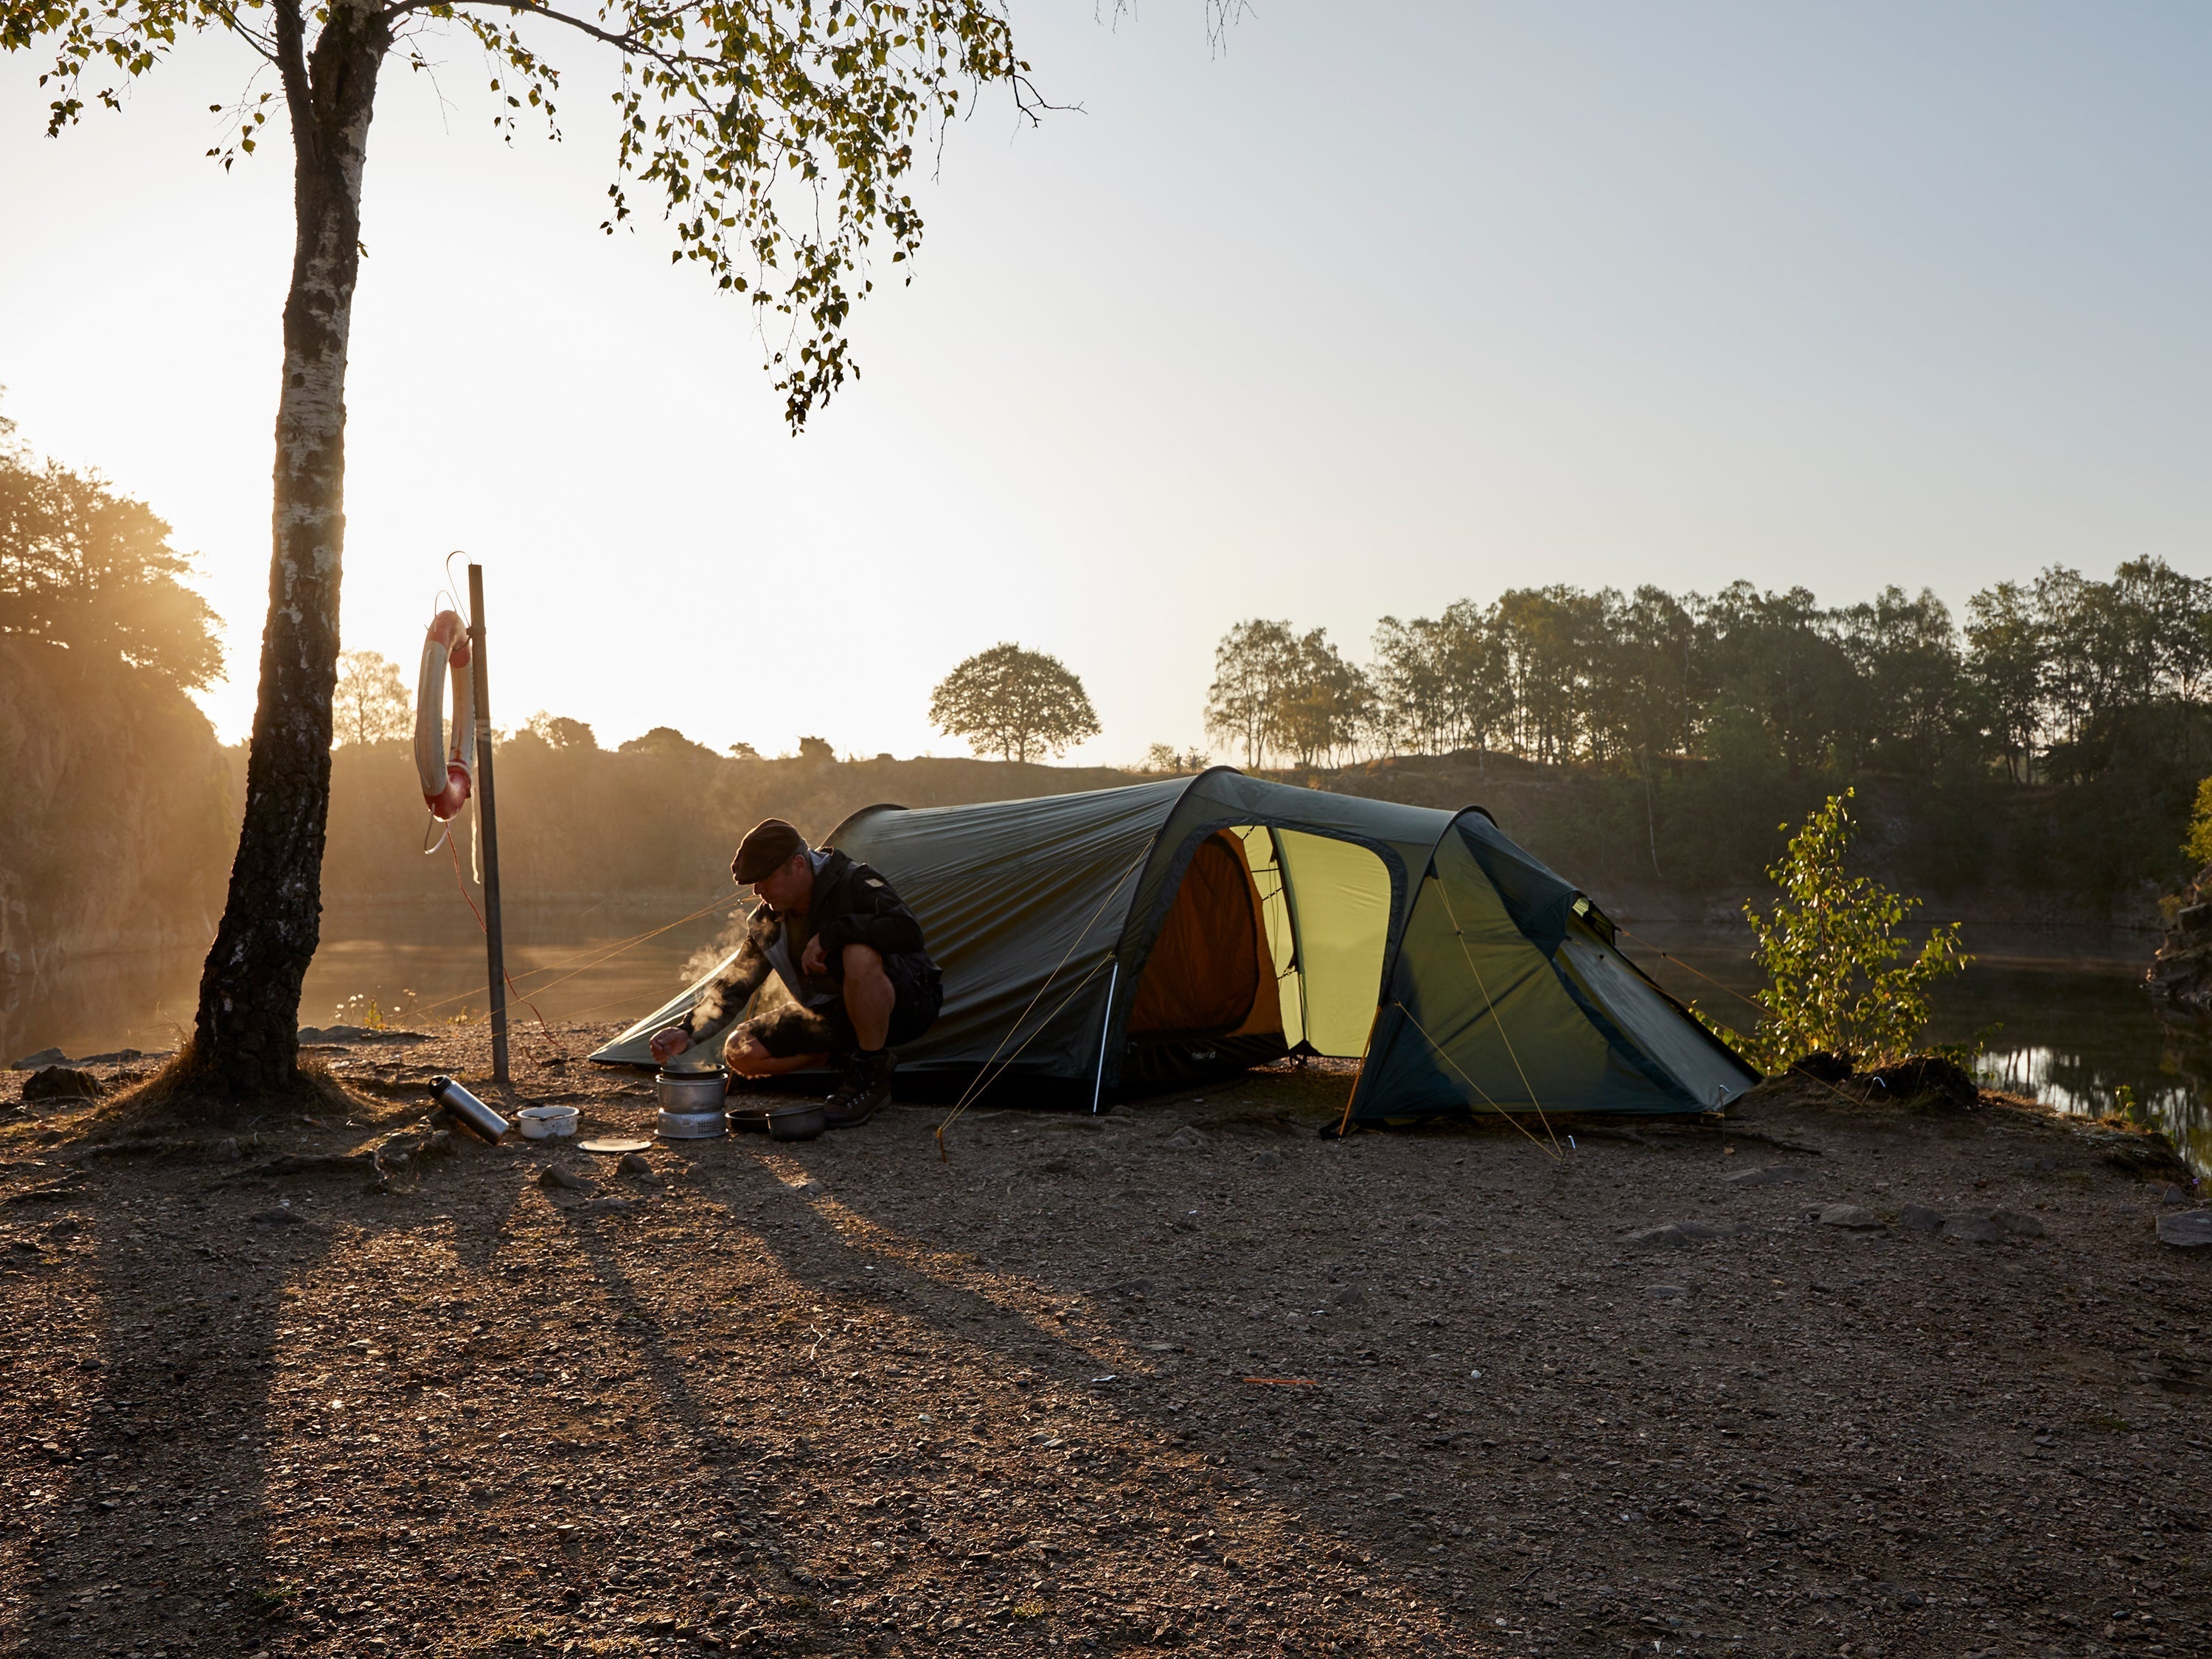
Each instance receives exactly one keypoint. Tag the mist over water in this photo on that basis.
(418, 969)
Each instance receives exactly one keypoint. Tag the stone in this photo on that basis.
(1849, 1215)
(1699, 1232)
(395, 1151)
(2024, 1226)
(1668, 1292)
(553, 1177)
(63, 1083)
(358, 1034)
(1776, 1175)
(1974, 1229)
(1667, 1237)
(633, 1163)
(1270, 1159)
(1920, 1218)
(1350, 1297)
(276, 1219)
(2186, 1230)
(1185, 1140)
(2172, 1194)
(43, 1058)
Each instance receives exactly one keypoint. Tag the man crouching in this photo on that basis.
(848, 950)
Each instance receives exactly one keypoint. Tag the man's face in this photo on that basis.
(789, 885)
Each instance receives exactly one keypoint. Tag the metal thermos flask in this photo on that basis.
(471, 1114)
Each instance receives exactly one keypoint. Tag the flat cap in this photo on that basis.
(768, 845)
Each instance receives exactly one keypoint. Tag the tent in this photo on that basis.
(1182, 928)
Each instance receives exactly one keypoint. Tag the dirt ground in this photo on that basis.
(1185, 1378)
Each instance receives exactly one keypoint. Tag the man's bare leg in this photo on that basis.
(869, 998)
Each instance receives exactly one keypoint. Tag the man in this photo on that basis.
(848, 950)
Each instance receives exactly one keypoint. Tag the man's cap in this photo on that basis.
(766, 845)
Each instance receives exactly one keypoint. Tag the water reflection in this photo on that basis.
(2075, 1027)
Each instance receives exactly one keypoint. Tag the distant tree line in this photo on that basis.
(1649, 736)
(115, 813)
(2047, 680)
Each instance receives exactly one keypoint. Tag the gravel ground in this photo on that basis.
(1188, 1378)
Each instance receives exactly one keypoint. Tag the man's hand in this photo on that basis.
(813, 960)
(668, 1042)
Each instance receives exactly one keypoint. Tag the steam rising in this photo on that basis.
(712, 1007)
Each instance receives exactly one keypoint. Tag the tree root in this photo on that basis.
(173, 1099)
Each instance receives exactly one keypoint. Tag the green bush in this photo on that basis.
(2198, 845)
(1840, 978)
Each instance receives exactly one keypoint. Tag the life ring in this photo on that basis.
(447, 771)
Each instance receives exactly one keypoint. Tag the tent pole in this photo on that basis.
(1105, 1029)
(1345, 1128)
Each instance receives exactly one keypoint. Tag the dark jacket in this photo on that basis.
(852, 904)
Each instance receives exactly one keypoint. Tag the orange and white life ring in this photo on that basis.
(447, 770)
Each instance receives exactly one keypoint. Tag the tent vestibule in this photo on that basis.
(1196, 924)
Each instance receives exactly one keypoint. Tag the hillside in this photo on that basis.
(592, 825)
(646, 829)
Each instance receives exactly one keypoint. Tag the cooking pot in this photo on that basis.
(692, 1092)
(543, 1122)
(801, 1123)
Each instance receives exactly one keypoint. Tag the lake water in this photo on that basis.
(2075, 1026)
(416, 970)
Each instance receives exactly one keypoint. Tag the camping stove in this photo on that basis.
(693, 1126)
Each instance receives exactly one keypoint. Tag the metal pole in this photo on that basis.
(488, 827)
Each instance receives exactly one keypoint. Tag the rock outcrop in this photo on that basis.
(2181, 973)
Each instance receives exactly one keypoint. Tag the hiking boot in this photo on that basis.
(866, 1085)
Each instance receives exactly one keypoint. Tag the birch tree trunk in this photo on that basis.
(245, 1038)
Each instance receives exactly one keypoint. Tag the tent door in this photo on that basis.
(1208, 999)
(1210, 972)
(1340, 898)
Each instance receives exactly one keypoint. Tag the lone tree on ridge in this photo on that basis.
(779, 133)
(1014, 704)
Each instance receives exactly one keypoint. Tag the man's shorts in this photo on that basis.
(787, 1029)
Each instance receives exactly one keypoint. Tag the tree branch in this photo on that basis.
(262, 46)
(627, 42)
(291, 61)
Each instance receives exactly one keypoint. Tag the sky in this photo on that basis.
(1363, 311)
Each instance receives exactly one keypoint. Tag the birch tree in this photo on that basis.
(779, 137)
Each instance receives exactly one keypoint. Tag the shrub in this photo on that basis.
(1840, 978)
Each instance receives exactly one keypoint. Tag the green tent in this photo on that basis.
(1198, 925)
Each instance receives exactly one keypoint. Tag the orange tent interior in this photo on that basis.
(1210, 974)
